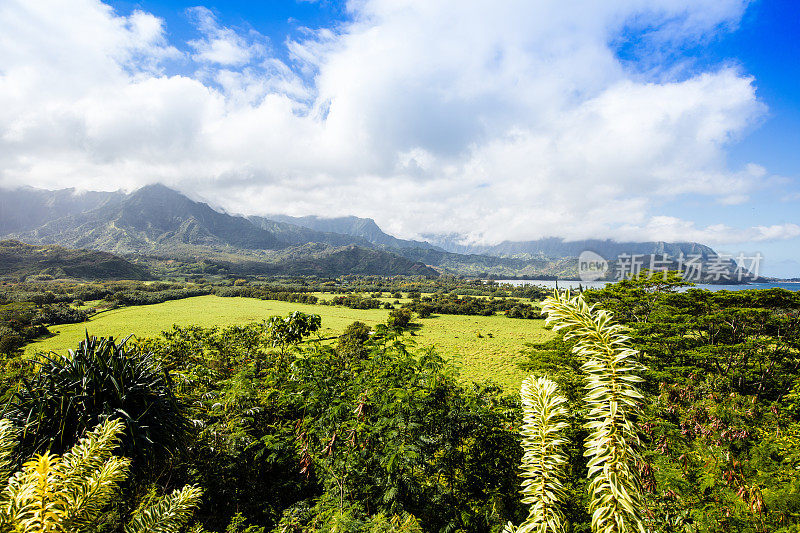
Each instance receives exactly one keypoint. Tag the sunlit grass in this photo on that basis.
(485, 348)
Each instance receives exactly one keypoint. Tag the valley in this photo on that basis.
(485, 349)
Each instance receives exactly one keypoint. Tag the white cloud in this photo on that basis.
(221, 45)
(507, 121)
(675, 229)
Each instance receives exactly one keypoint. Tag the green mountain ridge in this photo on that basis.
(295, 235)
(150, 220)
(156, 221)
(322, 260)
(18, 260)
(557, 248)
(363, 228)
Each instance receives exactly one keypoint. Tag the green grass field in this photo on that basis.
(480, 358)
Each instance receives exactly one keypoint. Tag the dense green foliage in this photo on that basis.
(342, 435)
(355, 301)
(297, 436)
(452, 304)
(723, 371)
(23, 322)
(19, 323)
(67, 396)
(413, 287)
(111, 293)
(368, 433)
(61, 313)
(266, 292)
(149, 297)
(719, 423)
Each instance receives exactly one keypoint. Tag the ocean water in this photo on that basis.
(550, 284)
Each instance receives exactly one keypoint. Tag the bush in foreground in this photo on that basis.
(102, 379)
(70, 492)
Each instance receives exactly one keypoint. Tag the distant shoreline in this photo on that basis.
(578, 280)
(598, 284)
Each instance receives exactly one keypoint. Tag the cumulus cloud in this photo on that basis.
(221, 45)
(515, 120)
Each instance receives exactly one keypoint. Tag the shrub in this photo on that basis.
(70, 493)
(61, 314)
(286, 332)
(100, 380)
(399, 318)
(353, 342)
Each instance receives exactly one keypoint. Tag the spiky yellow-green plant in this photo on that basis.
(543, 412)
(8, 441)
(611, 366)
(69, 493)
(168, 514)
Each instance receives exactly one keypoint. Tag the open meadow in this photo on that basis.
(485, 348)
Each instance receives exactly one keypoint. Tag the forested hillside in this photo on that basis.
(18, 260)
(156, 224)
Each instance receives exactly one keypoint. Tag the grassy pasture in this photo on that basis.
(485, 348)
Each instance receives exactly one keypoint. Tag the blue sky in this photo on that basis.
(660, 120)
(767, 47)
(276, 19)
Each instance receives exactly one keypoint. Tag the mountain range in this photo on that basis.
(555, 247)
(365, 228)
(158, 222)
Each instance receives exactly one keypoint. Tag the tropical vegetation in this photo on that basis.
(652, 407)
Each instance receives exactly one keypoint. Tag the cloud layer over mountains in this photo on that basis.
(501, 120)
